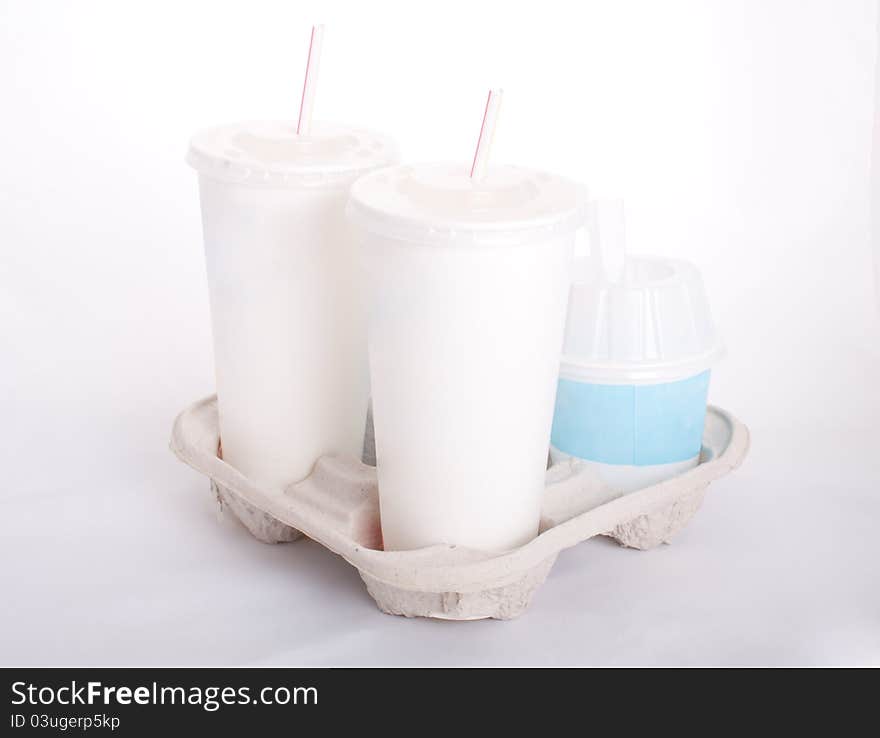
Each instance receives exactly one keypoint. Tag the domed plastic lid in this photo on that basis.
(653, 324)
(440, 203)
(271, 153)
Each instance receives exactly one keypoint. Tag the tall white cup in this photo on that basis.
(286, 297)
(469, 290)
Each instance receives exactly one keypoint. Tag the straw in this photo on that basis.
(307, 103)
(608, 237)
(487, 133)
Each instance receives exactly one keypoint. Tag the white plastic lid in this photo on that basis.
(652, 325)
(440, 203)
(270, 153)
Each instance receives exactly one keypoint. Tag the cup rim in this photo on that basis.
(639, 372)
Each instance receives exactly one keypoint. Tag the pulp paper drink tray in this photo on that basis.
(338, 506)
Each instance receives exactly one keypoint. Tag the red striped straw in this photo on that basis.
(307, 102)
(487, 133)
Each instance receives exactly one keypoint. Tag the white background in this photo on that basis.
(740, 133)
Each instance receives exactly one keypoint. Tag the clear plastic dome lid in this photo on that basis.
(440, 202)
(651, 325)
(271, 153)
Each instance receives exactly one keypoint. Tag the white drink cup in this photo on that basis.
(469, 290)
(286, 298)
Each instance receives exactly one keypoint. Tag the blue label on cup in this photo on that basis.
(637, 425)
